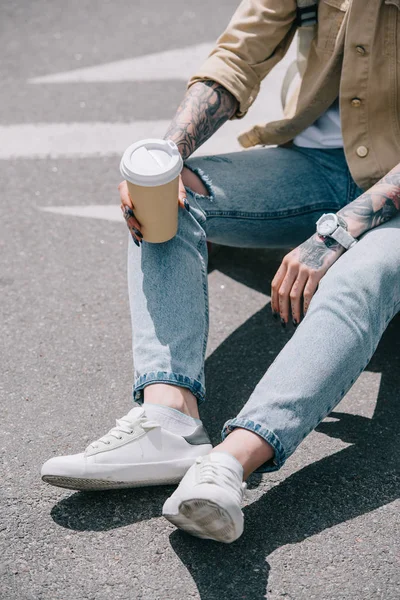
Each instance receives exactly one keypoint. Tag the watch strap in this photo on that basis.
(343, 237)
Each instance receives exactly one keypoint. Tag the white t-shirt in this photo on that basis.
(324, 133)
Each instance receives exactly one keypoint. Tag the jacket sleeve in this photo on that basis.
(255, 40)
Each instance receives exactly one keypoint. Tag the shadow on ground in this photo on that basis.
(340, 487)
(352, 482)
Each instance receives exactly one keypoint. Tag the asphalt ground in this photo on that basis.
(324, 527)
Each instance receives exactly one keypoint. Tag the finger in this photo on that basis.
(183, 203)
(296, 295)
(124, 194)
(182, 196)
(309, 291)
(131, 221)
(136, 240)
(284, 291)
(127, 211)
(134, 231)
(275, 285)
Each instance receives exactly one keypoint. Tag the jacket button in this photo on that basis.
(362, 151)
(361, 50)
(356, 102)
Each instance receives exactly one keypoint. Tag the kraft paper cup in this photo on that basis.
(151, 168)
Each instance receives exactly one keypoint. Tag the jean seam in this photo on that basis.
(205, 290)
(270, 215)
(202, 241)
(203, 238)
(395, 310)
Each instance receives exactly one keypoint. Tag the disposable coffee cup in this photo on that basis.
(151, 168)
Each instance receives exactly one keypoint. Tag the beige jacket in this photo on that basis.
(355, 55)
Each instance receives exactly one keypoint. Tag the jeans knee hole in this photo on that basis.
(206, 182)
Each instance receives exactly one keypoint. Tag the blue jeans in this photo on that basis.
(261, 198)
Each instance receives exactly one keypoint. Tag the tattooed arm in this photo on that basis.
(376, 206)
(205, 107)
(302, 269)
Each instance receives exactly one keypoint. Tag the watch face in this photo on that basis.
(326, 225)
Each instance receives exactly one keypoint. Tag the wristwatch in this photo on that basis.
(331, 225)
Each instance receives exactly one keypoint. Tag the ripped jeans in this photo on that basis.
(261, 198)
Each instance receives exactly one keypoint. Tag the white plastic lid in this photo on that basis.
(151, 162)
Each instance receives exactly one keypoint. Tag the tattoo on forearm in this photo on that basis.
(314, 251)
(206, 106)
(376, 206)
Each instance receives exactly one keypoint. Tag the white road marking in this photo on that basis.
(179, 63)
(105, 212)
(71, 140)
(57, 140)
(63, 140)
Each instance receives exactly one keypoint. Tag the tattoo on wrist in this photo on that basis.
(376, 206)
(315, 250)
(206, 106)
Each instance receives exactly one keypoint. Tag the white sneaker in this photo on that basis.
(136, 452)
(208, 499)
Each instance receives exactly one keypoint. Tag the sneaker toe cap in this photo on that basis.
(67, 466)
(208, 492)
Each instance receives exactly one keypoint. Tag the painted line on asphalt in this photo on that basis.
(179, 63)
(81, 140)
(53, 140)
(91, 139)
(87, 139)
(105, 212)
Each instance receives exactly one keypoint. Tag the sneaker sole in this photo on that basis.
(206, 520)
(73, 483)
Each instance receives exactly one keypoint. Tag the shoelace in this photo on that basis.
(126, 425)
(211, 473)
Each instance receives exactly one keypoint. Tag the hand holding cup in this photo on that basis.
(128, 208)
(152, 190)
